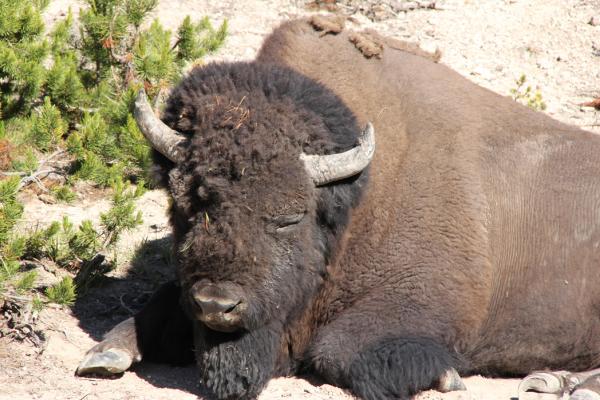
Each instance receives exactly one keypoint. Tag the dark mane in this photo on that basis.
(249, 102)
(280, 86)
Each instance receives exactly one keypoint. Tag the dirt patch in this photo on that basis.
(491, 42)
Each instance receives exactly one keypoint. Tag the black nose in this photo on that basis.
(221, 305)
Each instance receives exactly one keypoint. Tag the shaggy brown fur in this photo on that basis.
(481, 219)
(474, 244)
(248, 123)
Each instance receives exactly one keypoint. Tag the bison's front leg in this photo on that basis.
(239, 365)
(382, 365)
(160, 332)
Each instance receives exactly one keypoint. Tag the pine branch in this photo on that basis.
(34, 178)
(82, 109)
(121, 59)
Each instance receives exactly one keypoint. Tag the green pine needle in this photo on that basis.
(63, 293)
(26, 282)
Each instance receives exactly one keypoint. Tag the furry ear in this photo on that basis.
(159, 172)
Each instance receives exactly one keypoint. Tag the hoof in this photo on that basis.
(545, 382)
(589, 389)
(108, 362)
(450, 381)
(584, 394)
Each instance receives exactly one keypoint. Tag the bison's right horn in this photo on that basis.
(334, 167)
(164, 139)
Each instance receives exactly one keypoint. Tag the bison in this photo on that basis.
(467, 242)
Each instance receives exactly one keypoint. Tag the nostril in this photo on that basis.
(211, 305)
(230, 309)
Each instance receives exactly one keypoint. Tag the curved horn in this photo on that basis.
(164, 139)
(331, 168)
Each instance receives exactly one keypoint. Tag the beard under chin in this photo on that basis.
(236, 365)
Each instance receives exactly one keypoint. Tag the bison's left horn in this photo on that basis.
(164, 139)
(334, 167)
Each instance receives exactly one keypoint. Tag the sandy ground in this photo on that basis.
(491, 42)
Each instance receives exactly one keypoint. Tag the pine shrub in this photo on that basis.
(74, 89)
(22, 52)
(48, 127)
(10, 209)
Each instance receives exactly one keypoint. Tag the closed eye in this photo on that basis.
(287, 221)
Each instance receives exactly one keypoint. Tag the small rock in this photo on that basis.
(544, 64)
(44, 278)
(595, 20)
(46, 198)
(429, 4)
(430, 47)
(404, 5)
(54, 178)
(481, 71)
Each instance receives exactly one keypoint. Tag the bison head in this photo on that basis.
(263, 166)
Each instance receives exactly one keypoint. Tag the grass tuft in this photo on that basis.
(26, 282)
(63, 293)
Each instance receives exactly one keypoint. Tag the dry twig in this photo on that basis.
(38, 174)
(594, 103)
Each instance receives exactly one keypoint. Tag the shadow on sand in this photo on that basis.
(115, 298)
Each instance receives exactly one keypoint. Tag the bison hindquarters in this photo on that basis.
(160, 332)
